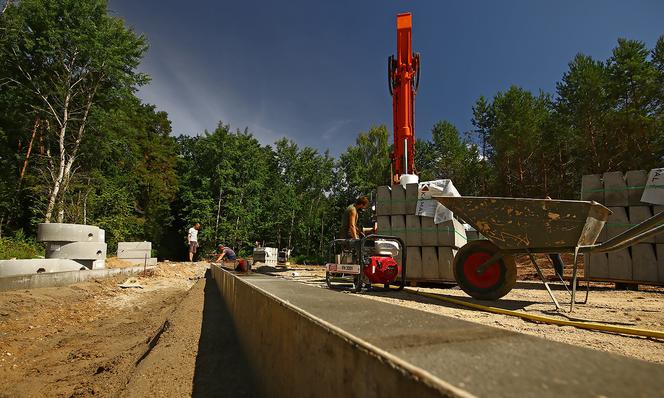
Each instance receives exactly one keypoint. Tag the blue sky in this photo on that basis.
(315, 71)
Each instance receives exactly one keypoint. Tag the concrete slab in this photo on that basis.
(414, 263)
(636, 183)
(445, 263)
(451, 233)
(37, 265)
(659, 248)
(639, 214)
(644, 262)
(592, 188)
(384, 227)
(284, 322)
(430, 263)
(620, 265)
(659, 238)
(398, 226)
(93, 264)
(384, 201)
(429, 232)
(398, 200)
(615, 189)
(76, 250)
(596, 265)
(412, 191)
(135, 246)
(413, 231)
(56, 232)
(617, 223)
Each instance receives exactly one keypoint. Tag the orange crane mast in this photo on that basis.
(403, 78)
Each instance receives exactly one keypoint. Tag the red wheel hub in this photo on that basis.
(490, 277)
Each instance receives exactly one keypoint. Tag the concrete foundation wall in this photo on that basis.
(295, 354)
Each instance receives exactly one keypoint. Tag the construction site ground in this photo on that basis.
(163, 334)
(637, 309)
(167, 333)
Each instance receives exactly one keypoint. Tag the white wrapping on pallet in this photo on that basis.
(428, 207)
(654, 190)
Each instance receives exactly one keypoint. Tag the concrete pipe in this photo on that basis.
(76, 250)
(55, 232)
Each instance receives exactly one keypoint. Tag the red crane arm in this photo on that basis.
(404, 76)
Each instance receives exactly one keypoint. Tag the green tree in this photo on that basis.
(66, 57)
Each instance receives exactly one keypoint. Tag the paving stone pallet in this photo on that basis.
(621, 193)
(430, 248)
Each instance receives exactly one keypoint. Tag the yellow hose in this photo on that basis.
(562, 322)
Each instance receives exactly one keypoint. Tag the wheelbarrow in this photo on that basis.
(486, 269)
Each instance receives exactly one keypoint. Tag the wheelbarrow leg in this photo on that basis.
(574, 282)
(544, 281)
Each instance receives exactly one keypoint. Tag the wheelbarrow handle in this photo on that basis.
(637, 233)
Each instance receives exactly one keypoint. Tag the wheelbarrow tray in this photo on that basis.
(539, 225)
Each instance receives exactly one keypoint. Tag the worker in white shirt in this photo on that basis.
(192, 238)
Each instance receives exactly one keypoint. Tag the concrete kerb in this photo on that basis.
(378, 373)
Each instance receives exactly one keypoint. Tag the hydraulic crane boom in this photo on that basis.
(403, 78)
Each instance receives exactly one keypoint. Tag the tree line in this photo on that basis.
(77, 145)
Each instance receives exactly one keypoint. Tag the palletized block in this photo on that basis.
(660, 262)
(398, 226)
(592, 188)
(659, 238)
(413, 231)
(445, 263)
(398, 200)
(615, 189)
(413, 263)
(429, 263)
(644, 262)
(620, 265)
(638, 214)
(636, 182)
(383, 200)
(384, 227)
(429, 232)
(451, 233)
(617, 223)
(596, 265)
(411, 198)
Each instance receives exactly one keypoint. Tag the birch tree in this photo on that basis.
(69, 57)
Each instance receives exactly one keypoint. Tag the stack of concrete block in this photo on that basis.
(138, 253)
(621, 193)
(84, 244)
(430, 248)
(266, 255)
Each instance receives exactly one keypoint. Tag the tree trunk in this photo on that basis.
(27, 155)
(216, 227)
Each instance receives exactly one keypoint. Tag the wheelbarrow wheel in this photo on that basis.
(496, 281)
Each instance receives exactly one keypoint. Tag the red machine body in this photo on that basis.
(403, 78)
(382, 270)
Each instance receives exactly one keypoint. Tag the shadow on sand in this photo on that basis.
(222, 369)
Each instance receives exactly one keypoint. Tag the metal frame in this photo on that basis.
(638, 233)
(358, 244)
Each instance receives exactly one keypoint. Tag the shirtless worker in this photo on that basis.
(349, 228)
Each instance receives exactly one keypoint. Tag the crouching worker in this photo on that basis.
(225, 254)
